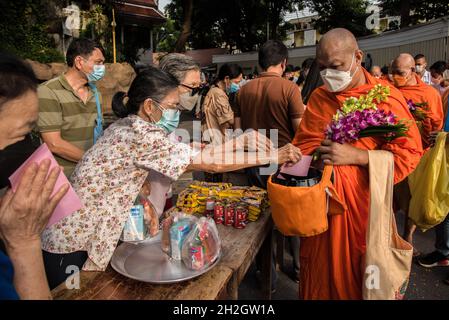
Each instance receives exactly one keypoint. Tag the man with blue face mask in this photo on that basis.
(70, 118)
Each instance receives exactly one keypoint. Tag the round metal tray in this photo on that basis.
(145, 261)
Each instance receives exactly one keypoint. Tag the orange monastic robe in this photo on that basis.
(331, 263)
(423, 93)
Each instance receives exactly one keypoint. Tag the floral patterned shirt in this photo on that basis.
(108, 179)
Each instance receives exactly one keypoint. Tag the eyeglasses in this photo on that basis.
(193, 90)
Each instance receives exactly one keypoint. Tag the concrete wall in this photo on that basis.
(434, 50)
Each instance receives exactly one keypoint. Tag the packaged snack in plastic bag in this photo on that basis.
(151, 217)
(174, 230)
(143, 220)
(165, 242)
(202, 247)
(178, 233)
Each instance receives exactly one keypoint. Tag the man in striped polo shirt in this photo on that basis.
(69, 106)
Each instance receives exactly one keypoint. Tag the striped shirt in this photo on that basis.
(60, 109)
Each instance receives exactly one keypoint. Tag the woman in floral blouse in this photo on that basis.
(110, 175)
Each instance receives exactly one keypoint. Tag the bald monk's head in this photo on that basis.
(338, 52)
(376, 72)
(403, 70)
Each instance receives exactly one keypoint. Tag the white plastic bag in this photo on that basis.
(202, 246)
(175, 229)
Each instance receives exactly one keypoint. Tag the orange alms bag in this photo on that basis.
(302, 211)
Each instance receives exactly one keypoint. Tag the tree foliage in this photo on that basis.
(23, 29)
(412, 11)
(238, 25)
(166, 36)
(349, 14)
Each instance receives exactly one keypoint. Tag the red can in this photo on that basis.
(210, 207)
(229, 214)
(241, 214)
(219, 211)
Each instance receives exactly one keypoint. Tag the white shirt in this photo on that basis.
(427, 77)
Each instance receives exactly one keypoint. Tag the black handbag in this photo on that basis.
(313, 177)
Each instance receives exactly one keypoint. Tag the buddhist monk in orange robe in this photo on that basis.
(412, 88)
(332, 262)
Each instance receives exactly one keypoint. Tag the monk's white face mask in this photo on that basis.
(336, 80)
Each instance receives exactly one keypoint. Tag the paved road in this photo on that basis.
(424, 283)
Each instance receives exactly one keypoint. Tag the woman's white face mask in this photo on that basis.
(187, 101)
(336, 80)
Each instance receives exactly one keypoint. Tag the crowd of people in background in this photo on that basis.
(295, 101)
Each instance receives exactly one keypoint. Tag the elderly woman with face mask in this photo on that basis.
(188, 73)
(111, 174)
(25, 212)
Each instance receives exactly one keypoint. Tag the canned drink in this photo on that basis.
(229, 214)
(241, 214)
(210, 204)
(219, 211)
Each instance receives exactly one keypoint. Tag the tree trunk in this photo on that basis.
(405, 13)
(275, 13)
(187, 6)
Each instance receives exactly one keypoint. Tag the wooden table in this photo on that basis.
(239, 248)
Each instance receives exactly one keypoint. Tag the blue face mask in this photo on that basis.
(169, 120)
(97, 74)
(234, 87)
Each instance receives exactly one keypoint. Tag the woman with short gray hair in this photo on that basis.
(179, 65)
(188, 73)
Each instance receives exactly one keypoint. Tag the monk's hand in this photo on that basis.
(334, 153)
(288, 154)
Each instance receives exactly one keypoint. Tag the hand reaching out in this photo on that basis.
(288, 154)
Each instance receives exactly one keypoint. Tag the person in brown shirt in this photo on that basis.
(270, 102)
(218, 114)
